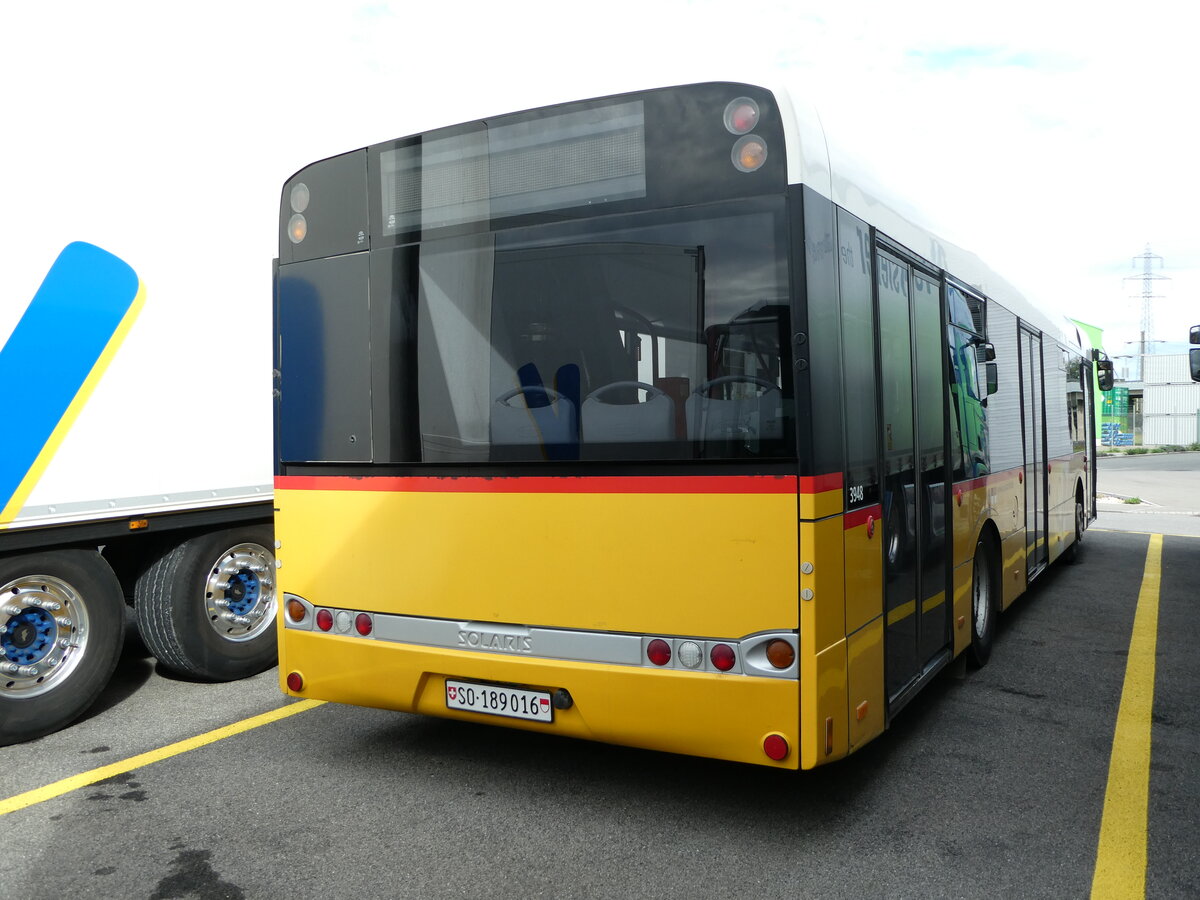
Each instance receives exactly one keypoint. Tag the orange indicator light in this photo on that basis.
(749, 153)
(297, 228)
(138, 524)
(780, 654)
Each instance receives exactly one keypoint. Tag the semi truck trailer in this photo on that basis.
(135, 485)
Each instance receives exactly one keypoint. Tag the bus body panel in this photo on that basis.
(961, 611)
(823, 702)
(579, 553)
(862, 536)
(712, 715)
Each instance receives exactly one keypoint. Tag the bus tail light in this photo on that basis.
(691, 655)
(749, 153)
(295, 682)
(776, 747)
(723, 657)
(324, 619)
(363, 624)
(297, 228)
(780, 654)
(658, 652)
(295, 610)
(741, 115)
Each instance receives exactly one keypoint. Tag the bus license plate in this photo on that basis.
(496, 700)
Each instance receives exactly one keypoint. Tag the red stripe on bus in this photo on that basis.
(985, 480)
(541, 484)
(857, 517)
(819, 484)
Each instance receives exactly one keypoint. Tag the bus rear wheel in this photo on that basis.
(1073, 552)
(983, 605)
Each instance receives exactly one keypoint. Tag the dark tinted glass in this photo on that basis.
(652, 336)
(858, 354)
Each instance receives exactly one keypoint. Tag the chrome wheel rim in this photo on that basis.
(239, 595)
(981, 606)
(43, 634)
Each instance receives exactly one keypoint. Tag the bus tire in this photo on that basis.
(206, 607)
(1075, 551)
(64, 624)
(984, 604)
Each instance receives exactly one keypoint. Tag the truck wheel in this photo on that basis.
(206, 608)
(62, 623)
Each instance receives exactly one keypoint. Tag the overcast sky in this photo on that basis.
(1056, 144)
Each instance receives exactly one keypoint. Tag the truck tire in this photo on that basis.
(63, 619)
(206, 608)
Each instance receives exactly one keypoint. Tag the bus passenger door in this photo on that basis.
(1033, 403)
(913, 402)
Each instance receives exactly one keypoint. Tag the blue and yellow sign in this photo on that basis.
(55, 356)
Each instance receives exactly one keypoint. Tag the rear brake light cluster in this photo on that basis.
(299, 613)
(758, 655)
(750, 150)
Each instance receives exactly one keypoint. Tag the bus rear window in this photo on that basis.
(664, 341)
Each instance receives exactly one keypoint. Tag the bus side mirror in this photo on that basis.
(993, 376)
(984, 351)
(1195, 335)
(1104, 374)
(1194, 359)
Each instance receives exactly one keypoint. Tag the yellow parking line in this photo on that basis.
(58, 788)
(1121, 854)
(1194, 537)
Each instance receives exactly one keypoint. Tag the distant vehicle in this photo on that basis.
(98, 511)
(643, 419)
(1194, 353)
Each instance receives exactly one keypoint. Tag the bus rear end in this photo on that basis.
(537, 427)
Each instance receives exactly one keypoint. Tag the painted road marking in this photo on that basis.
(1121, 854)
(58, 788)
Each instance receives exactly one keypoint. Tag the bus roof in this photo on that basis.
(815, 159)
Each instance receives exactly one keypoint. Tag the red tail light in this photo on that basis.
(295, 682)
(722, 657)
(324, 619)
(363, 624)
(658, 652)
(776, 747)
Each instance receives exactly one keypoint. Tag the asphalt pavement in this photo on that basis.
(1165, 486)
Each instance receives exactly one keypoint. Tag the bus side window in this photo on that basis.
(968, 391)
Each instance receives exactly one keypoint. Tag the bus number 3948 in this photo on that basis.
(856, 493)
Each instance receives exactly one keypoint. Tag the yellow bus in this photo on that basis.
(642, 419)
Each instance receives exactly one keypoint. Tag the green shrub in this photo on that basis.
(1133, 500)
(1136, 451)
